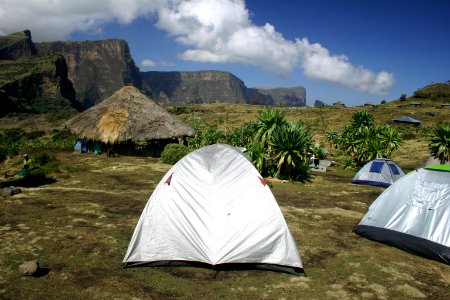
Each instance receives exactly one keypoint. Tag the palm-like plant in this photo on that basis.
(332, 137)
(362, 140)
(361, 118)
(257, 154)
(439, 145)
(268, 120)
(390, 138)
(290, 145)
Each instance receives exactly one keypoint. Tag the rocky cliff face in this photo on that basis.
(87, 72)
(35, 84)
(96, 68)
(17, 45)
(180, 88)
(295, 96)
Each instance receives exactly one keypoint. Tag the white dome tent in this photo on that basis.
(213, 209)
(378, 172)
(413, 214)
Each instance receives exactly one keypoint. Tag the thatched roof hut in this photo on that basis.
(128, 115)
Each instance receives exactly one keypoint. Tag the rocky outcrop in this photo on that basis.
(180, 88)
(97, 69)
(35, 84)
(294, 96)
(17, 45)
(318, 103)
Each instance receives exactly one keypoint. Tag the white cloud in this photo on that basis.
(317, 63)
(148, 63)
(51, 20)
(221, 31)
(216, 31)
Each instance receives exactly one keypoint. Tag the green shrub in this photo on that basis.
(348, 163)
(242, 136)
(34, 134)
(63, 139)
(48, 164)
(212, 135)
(41, 159)
(173, 153)
(3, 154)
(51, 167)
(36, 174)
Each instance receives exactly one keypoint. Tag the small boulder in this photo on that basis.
(29, 268)
(10, 191)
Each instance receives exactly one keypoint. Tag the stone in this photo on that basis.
(10, 191)
(29, 268)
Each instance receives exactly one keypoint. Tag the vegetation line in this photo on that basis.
(77, 189)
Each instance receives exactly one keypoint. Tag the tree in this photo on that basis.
(402, 97)
(439, 145)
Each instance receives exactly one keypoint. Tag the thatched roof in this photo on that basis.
(127, 115)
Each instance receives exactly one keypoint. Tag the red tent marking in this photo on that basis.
(169, 179)
(263, 181)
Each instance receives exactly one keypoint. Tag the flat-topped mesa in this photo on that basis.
(180, 88)
(290, 96)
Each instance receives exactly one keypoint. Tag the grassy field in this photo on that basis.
(78, 224)
(79, 221)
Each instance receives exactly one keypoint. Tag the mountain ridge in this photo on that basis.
(98, 68)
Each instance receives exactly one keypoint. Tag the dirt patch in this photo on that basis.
(317, 259)
(89, 276)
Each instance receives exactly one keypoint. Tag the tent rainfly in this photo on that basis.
(407, 120)
(413, 214)
(378, 172)
(128, 115)
(434, 161)
(213, 209)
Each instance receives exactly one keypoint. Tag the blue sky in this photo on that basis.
(341, 50)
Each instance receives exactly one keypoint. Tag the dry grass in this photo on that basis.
(80, 225)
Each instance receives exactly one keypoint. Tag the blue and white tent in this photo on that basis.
(80, 146)
(407, 120)
(378, 172)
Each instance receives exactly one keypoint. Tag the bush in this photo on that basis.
(63, 139)
(34, 134)
(44, 164)
(348, 163)
(3, 154)
(41, 159)
(36, 174)
(212, 135)
(173, 153)
(242, 136)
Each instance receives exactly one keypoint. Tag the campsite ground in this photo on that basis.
(79, 221)
(79, 224)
